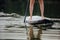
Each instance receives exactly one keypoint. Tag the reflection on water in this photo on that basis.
(7, 39)
(15, 32)
(12, 39)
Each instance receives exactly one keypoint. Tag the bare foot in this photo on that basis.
(43, 17)
(30, 19)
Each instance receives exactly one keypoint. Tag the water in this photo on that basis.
(11, 29)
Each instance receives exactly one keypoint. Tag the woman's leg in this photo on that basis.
(31, 8)
(41, 3)
(31, 11)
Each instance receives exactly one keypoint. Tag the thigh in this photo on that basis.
(40, 1)
(32, 1)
